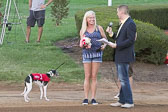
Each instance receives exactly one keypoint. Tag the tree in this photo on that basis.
(59, 10)
(0, 13)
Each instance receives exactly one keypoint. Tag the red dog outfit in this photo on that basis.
(40, 77)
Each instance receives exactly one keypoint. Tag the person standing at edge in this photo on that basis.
(130, 72)
(92, 56)
(37, 13)
(124, 54)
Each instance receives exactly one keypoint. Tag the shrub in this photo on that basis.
(155, 16)
(151, 45)
(59, 10)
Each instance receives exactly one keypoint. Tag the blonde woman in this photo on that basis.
(92, 56)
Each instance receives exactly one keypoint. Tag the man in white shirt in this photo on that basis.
(37, 14)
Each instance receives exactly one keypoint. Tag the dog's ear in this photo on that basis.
(54, 72)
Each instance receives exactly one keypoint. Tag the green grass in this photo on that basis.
(18, 59)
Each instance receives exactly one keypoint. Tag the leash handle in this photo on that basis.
(113, 75)
(60, 65)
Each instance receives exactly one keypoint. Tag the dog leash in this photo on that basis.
(60, 65)
(113, 75)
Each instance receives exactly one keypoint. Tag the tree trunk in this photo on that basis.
(0, 17)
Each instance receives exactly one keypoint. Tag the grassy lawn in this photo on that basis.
(18, 59)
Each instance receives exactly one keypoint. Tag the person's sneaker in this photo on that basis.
(117, 96)
(93, 102)
(126, 105)
(85, 102)
(118, 104)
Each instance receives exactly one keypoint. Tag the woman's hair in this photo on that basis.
(84, 23)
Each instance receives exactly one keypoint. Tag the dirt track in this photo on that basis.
(150, 90)
(68, 97)
(102, 108)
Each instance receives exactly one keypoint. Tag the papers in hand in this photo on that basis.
(103, 40)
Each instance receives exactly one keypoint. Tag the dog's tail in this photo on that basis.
(28, 79)
(25, 89)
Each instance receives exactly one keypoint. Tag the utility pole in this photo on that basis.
(109, 2)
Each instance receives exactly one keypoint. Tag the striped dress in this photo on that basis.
(92, 53)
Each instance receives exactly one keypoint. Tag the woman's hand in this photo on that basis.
(103, 47)
(81, 43)
(86, 46)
